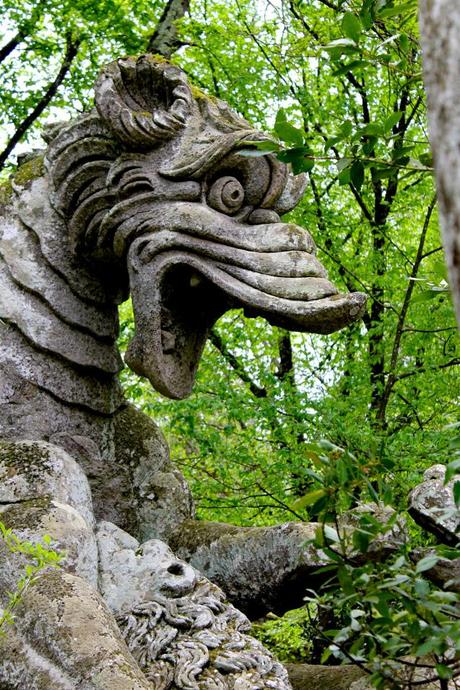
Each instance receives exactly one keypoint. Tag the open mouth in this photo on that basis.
(181, 284)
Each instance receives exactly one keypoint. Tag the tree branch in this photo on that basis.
(455, 362)
(286, 363)
(404, 309)
(72, 47)
(11, 45)
(237, 367)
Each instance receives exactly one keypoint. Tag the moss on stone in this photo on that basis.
(29, 171)
(311, 677)
(28, 459)
(6, 192)
(53, 585)
(194, 533)
(156, 57)
(26, 514)
(200, 95)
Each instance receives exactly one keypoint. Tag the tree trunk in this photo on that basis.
(164, 40)
(440, 31)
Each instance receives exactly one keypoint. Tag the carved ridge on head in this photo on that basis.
(143, 101)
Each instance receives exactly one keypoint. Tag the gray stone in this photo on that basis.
(176, 623)
(72, 537)
(33, 470)
(260, 569)
(316, 677)
(432, 505)
(439, 30)
(66, 633)
(161, 498)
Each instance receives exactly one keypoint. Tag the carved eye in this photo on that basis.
(226, 195)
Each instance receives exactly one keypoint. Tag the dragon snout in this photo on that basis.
(186, 273)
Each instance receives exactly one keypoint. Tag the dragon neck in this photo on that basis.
(58, 327)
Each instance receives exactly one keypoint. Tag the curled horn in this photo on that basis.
(144, 101)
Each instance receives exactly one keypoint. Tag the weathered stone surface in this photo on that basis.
(38, 323)
(44, 492)
(146, 209)
(347, 677)
(94, 391)
(160, 497)
(21, 251)
(260, 569)
(30, 470)
(72, 537)
(432, 505)
(446, 573)
(66, 632)
(315, 677)
(38, 216)
(176, 623)
(264, 569)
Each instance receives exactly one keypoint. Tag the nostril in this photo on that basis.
(176, 569)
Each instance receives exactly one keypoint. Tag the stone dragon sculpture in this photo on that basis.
(147, 194)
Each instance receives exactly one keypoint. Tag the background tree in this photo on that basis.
(348, 80)
(51, 54)
(440, 22)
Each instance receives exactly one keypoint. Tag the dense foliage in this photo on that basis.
(338, 83)
(346, 83)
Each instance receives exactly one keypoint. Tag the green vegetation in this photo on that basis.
(39, 557)
(338, 84)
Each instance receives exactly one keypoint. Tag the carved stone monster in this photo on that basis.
(146, 193)
(153, 183)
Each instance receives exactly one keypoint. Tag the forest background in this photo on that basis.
(339, 85)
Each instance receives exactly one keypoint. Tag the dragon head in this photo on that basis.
(153, 180)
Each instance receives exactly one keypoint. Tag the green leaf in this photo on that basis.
(286, 131)
(452, 469)
(405, 8)
(427, 296)
(426, 159)
(256, 153)
(344, 177)
(340, 46)
(346, 128)
(426, 563)
(331, 534)
(365, 17)
(444, 672)
(342, 164)
(357, 174)
(361, 541)
(372, 129)
(456, 491)
(309, 499)
(258, 148)
(350, 67)
(351, 26)
(391, 121)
